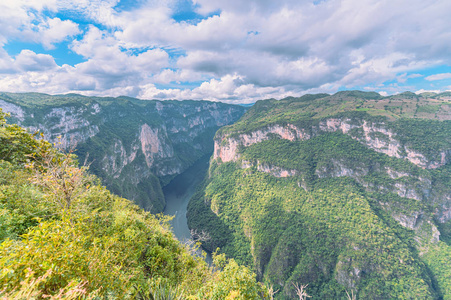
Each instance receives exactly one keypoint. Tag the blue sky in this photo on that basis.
(233, 51)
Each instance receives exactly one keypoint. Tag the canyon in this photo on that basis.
(348, 193)
(134, 146)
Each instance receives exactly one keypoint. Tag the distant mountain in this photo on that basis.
(349, 193)
(132, 145)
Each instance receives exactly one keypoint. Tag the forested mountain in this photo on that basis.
(344, 196)
(132, 145)
(64, 236)
(349, 193)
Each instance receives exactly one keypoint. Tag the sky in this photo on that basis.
(235, 51)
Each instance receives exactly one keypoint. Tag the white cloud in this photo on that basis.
(427, 91)
(6, 62)
(24, 19)
(100, 11)
(438, 77)
(178, 76)
(404, 77)
(111, 65)
(227, 89)
(230, 88)
(249, 49)
(108, 70)
(296, 43)
(55, 30)
(379, 69)
(27, 60)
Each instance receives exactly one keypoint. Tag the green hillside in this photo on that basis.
(292, 109)
(315, 195)
(134, 146)
(64, 236)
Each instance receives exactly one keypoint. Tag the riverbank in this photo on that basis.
(178, 193)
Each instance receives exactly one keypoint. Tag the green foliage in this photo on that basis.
(431, 109)
(335, 234)
(200, 217)
(318, 238)
(63, 236)
(30, 289)
(17, 144)
(306, 112)
(107, 131)
(445, 232)
(438, 259)
(340, 221)
(233, 282)
(425, 136)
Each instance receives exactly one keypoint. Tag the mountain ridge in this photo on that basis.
(131, 144)
(337, 192)
(65, 236)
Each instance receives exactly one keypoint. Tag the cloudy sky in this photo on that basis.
(232, 51)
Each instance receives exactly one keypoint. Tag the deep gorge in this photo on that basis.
(178, 193)
(348, 193)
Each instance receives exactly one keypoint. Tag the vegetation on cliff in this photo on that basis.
(64, 236)
(132, 145)
(328, 210)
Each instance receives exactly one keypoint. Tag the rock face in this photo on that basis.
(227, 148)
(66, 127)
(273, 170)
(375, 136)
(10, 108)
(131, 144)
(319, 189)
(153, 144)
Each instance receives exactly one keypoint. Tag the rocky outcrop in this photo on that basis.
(273, 170)
(383, 140)
(375, 136)
(340, 169)
(126, 141)
(12, 109)
(66, 127)
(417, 188)
(154, 144)
(227, 148)
(119, 157)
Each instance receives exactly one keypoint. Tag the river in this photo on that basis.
(178, 193)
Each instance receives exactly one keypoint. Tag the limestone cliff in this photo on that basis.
(375, 136)
(319, 189)
(131, 144)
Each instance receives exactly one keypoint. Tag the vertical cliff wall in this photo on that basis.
(132, 145)
(347, 193)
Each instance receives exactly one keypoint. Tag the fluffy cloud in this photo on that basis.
(108, 69)
(438, 77)
(54, 31)
(23, 19)
(239, 50)
(229, 88)
(29, 61)
(111, 65)
(427, 91)
(302, 45)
